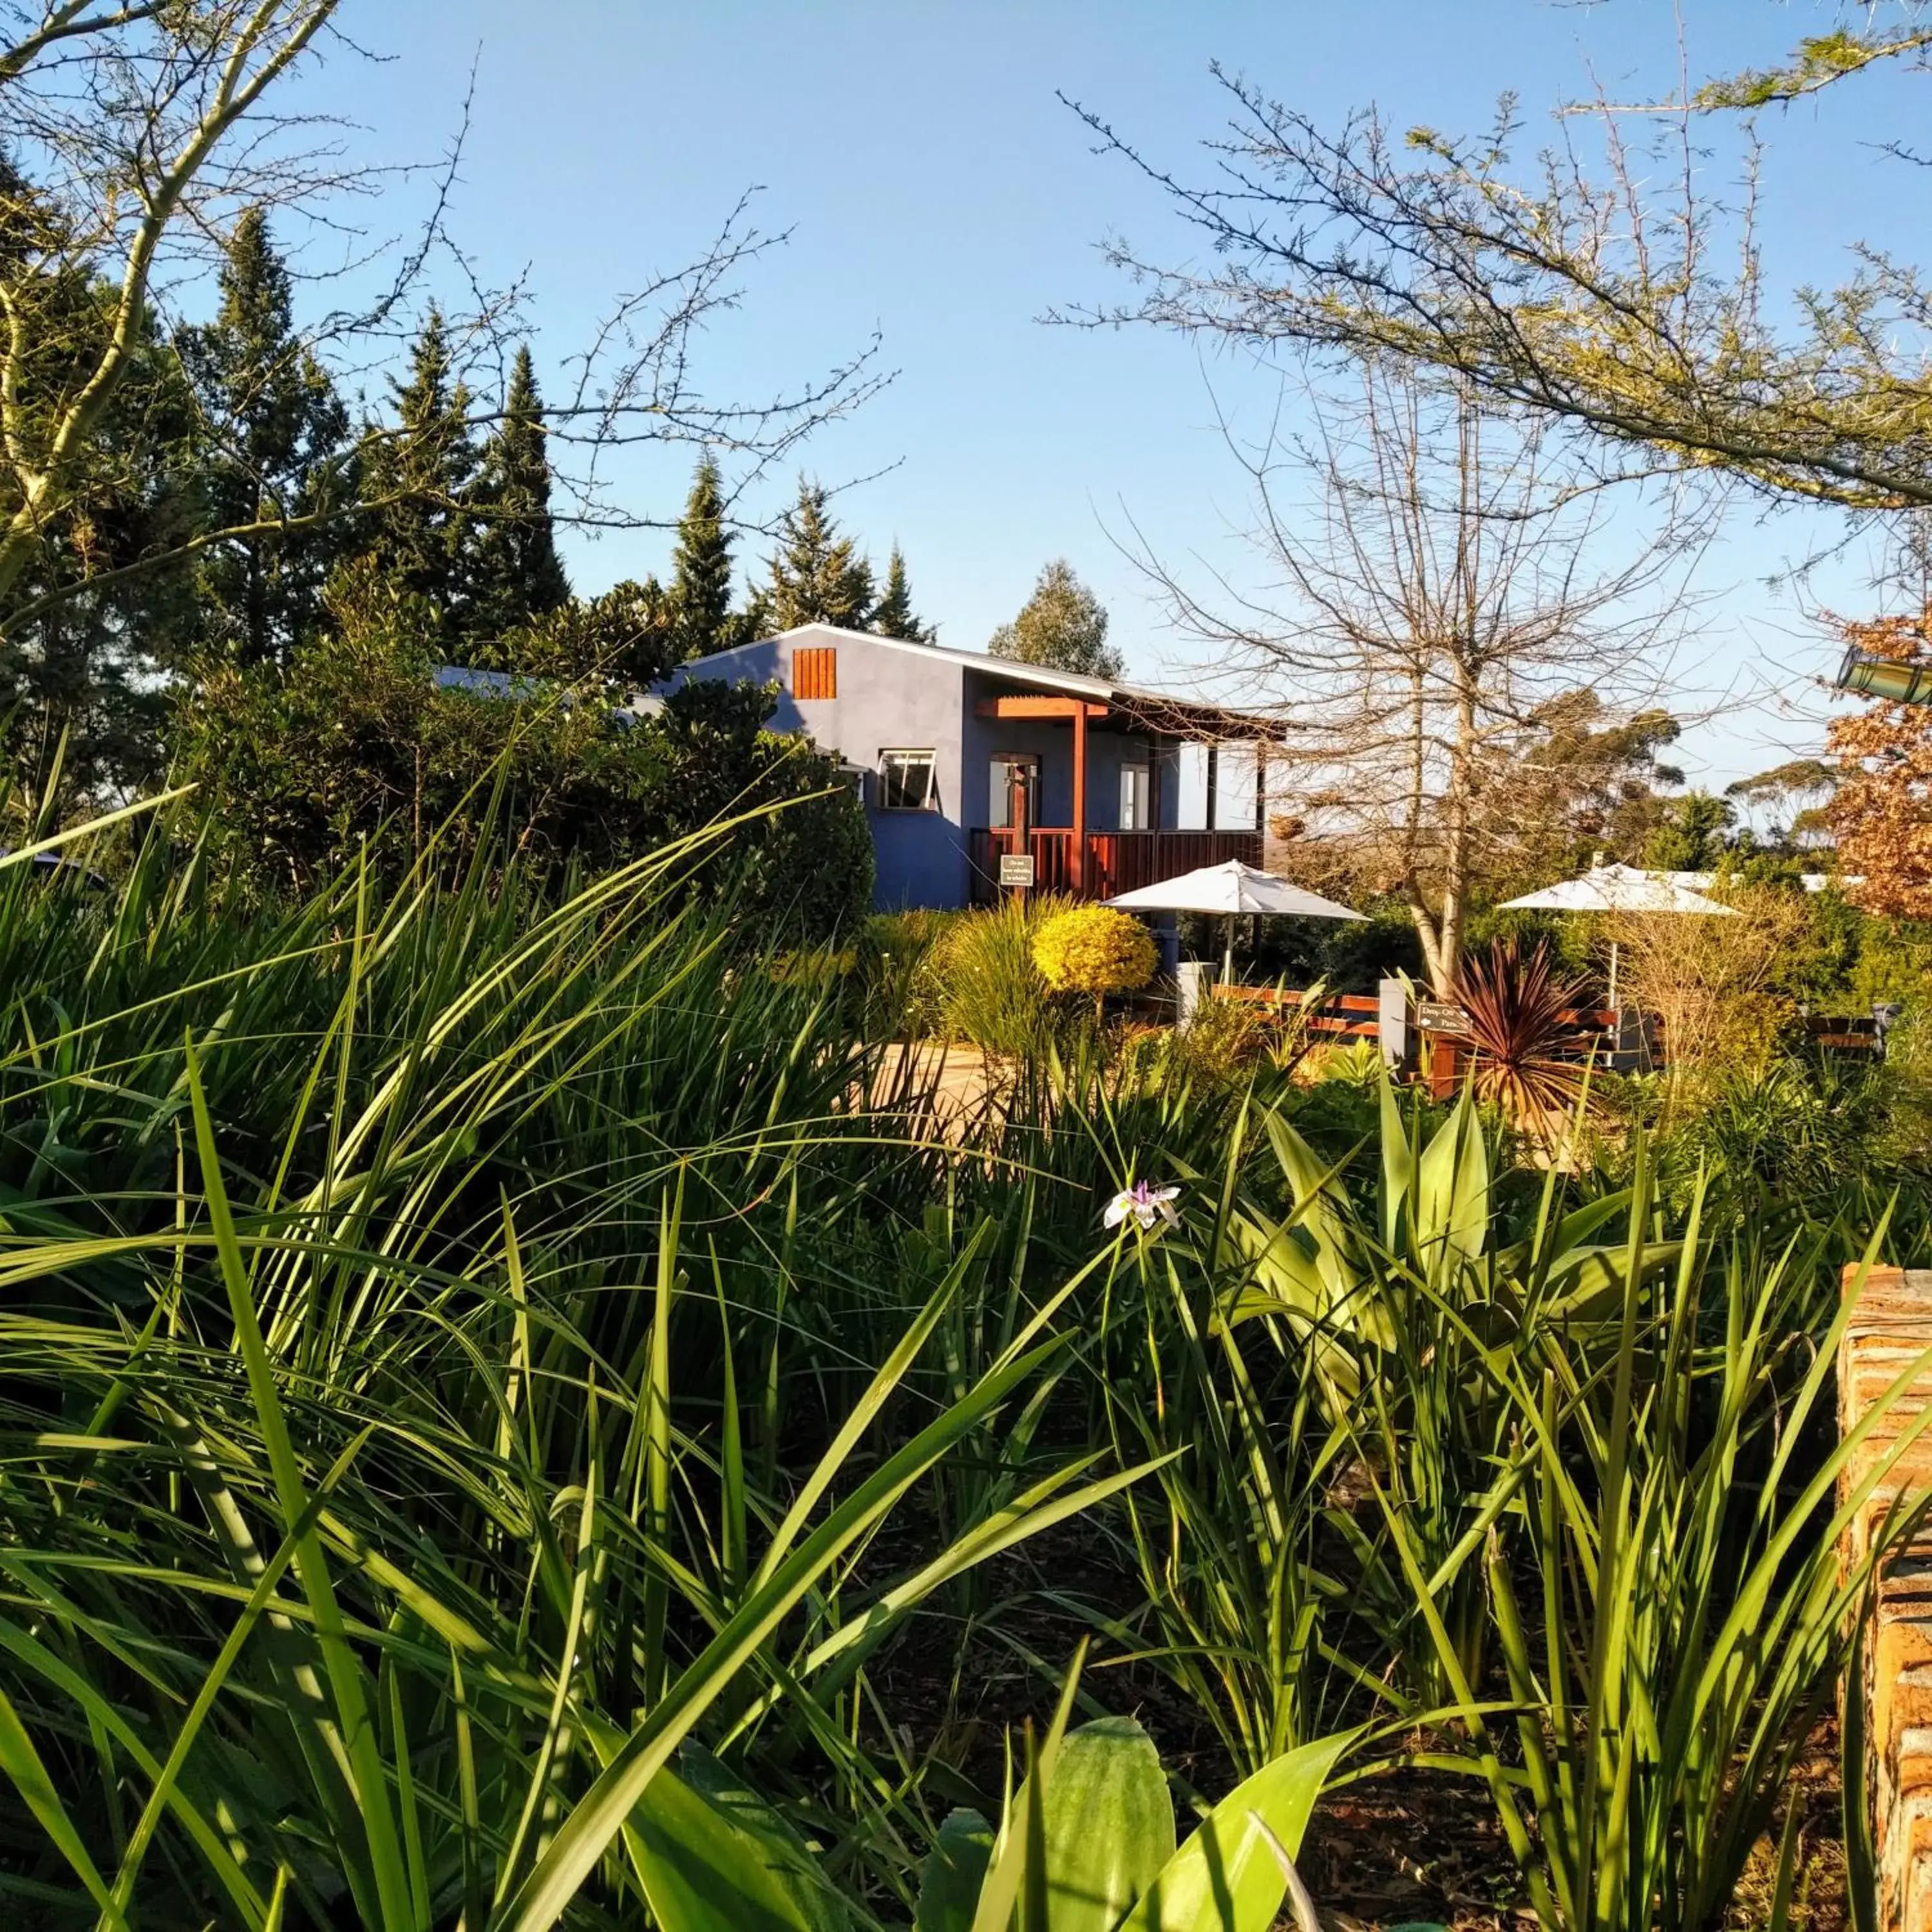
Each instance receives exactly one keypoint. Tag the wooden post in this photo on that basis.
(1077, 858)
(1155, 870)
(1020, 812)
(1891, 1323)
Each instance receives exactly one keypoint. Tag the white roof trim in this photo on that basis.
(1097, 688)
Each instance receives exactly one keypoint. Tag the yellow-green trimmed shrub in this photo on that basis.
(1092, 949)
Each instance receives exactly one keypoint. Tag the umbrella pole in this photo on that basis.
(1613, 976)
(1227, 956)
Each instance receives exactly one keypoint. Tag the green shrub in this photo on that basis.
(901, 1002)
(353, 747)
(982, 983)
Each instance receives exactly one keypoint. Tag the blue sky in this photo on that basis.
(941, 194)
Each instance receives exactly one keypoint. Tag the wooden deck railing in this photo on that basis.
(1342, 1016)
(1592, 1034)
(1117, 861)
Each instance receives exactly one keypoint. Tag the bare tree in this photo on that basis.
(1424, 608)
(129, 126)
(136, 134)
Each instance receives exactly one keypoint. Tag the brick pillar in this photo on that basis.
(1893, 1326)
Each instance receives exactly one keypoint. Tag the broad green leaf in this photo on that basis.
(1452, 1189)
(955, 1869)
(1109, 1825)
(1398, 1166)
(1227, 1876)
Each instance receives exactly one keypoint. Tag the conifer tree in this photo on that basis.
(1062, 624)
(421, 535)
(81, 686)
(754, 620)
(276, 432)
(701, 589)
(518, 575)
(893, 615)
(817, 576)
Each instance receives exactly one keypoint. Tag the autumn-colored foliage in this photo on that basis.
(1881, 811)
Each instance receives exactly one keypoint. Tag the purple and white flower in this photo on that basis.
(1147, 1206)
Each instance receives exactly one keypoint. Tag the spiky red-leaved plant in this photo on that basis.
(1523, 1047)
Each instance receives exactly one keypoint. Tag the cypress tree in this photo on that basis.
(422, 535)
(517, 574)
(817, 576)
(754, 621)
(277, 452)
(700, 588)
(893, 615)
(86, 668)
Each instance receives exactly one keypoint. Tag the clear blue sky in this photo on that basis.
(942, 195)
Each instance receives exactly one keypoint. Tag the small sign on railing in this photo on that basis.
(1016, 868)
(1441, 1016)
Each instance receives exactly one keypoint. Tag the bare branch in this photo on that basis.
(1436, 587)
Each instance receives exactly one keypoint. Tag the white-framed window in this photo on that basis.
(1136, 798)
(908, 781)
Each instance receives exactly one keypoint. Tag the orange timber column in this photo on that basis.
(1077, 858)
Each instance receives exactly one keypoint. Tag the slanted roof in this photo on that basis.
(1156, 710)
(520, 686)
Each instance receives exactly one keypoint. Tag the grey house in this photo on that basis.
(962, 758)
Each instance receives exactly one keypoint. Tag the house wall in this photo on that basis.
(1050, 741)
(891, 699)
(888, 700)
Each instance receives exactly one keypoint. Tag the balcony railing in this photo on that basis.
(1117, 861)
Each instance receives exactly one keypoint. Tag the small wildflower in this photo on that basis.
(1146, 1204)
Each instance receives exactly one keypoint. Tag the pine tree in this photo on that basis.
(82, 676)
(817, 576)
(518, 575)
(893, 615)
(422, 536)
(1062, 624)
(754, 620)
(700, 588)
(279, 430)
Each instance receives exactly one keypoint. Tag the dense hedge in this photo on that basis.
(354, 745)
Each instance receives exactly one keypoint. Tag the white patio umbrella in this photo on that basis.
(1231, 889)
(1618, 889)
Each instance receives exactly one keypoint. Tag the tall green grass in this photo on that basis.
(495, 1379)
(445, 1361)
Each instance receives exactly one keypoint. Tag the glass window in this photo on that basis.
(907, 781)
(1136, 793)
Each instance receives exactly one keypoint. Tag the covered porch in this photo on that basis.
(1106, 862)
(1090, 789)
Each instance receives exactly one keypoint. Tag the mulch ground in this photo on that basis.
(1423, 1847)
(1404, 1847)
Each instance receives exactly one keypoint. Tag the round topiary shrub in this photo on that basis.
(1094, 949)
